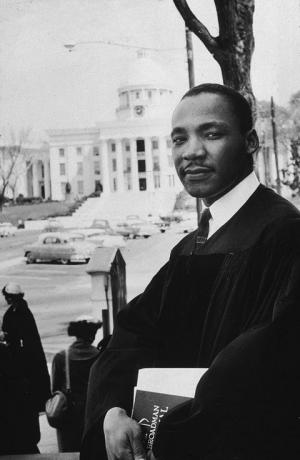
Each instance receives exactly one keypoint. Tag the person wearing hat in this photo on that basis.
(29, 386)
(81, 355)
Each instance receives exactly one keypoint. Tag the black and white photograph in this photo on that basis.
(149, 229)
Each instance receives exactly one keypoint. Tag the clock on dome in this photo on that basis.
(139, 110)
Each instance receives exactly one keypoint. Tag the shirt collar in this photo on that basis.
(225, 207)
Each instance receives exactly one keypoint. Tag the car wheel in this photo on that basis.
(146, 236)
(64, 261)
(30, 259)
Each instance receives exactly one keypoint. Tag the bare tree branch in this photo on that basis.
(234, 46)
(196, 26)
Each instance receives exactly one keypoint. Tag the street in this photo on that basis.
(58, 293)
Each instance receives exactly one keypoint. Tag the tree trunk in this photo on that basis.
(234, 46)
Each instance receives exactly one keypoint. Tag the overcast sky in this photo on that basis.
(42, 85)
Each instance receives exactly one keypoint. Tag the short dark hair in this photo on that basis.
(239, 103)
(84, 329)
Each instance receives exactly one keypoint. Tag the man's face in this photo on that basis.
(209, 151)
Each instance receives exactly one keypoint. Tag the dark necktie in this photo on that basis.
(203, 227)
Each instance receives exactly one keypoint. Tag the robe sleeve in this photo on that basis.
(134, 345)
(247, 405)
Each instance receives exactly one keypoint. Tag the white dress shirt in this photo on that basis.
(228, 205)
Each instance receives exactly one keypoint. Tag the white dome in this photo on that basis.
(143, 71)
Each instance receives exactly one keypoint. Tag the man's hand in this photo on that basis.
(123, 436)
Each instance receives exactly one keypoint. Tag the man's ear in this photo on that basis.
(252, 142)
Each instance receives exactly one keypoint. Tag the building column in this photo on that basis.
(134, 173)
(163, 162)
(149, 164)
(35, 179)
(120, 165)
(47, 182)
(105, 167)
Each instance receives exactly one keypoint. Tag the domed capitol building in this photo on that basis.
(129, 156)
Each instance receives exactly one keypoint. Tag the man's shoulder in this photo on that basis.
(272, 204)
(278, 217)
(185, 245)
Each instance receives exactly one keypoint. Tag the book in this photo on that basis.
(158, 390)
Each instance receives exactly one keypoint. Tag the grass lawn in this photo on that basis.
(35, 211)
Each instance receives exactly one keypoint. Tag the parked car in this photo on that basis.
(102, 224)
(170, 218)
(188, 223)
(53, 225)
(126, 229)
(101, 239)
(7, 229)
(158, 222)
(59, 247)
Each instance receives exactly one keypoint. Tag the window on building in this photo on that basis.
(156, 181)
(170, 160)
(61, 152)
(79, 150)
(169, 143)
(127, 147)
(80, 187)
(42, 170)
(115, 184)
(140, 145)
(141, 165)
(137, 95)
(114, 164)
(113, 147)
(149, 94)
(96, 167)
(96, 151)
(62, 169)
(154, 144)
(142, 184)
(128, 164)
(79, 168)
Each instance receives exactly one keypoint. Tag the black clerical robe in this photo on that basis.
(230, 305)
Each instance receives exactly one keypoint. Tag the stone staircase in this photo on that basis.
(116, 206)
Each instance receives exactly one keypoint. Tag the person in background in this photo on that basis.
(25, 376)
(81, 355)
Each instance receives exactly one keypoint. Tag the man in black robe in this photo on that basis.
(227, 299)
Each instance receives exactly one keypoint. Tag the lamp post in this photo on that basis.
(191, 74)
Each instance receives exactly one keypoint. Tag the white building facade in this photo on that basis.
(131, 153)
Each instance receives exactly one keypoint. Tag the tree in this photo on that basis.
(14, 162)
(234, 46)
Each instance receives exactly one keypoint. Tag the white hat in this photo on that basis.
(13, 288)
